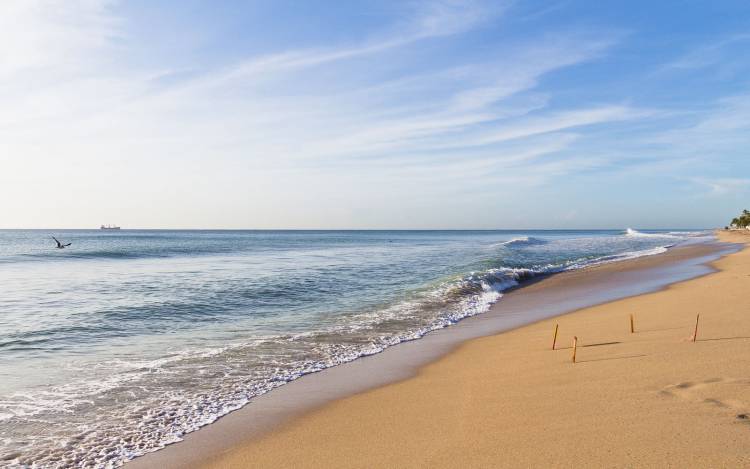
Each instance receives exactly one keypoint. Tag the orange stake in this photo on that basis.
(575, 347)
(554, 338)
(695, 333)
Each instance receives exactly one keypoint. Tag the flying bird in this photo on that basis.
(61, 245)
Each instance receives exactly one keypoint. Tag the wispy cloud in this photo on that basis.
(723, 186)
(293, 120)
(708, 54)
(720, 128)
(428, 21)
(41, 34)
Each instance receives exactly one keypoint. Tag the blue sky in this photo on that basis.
(455, 114)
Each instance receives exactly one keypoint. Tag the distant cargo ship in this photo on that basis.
(109, 227)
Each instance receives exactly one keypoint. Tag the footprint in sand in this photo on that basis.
(728, 395)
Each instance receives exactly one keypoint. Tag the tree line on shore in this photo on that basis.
(743, 221)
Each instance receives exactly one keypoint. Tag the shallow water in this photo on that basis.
(126, 340)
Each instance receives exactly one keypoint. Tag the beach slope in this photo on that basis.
(649, 398)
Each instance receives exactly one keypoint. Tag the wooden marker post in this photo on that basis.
(695, 333)
(575, 347)
(632, 328)
(554, 338)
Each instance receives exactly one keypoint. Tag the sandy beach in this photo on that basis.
(651, 398)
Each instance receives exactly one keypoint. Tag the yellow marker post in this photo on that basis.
(554, 338)
(695, 333)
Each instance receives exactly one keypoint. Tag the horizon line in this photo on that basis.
(366, 229)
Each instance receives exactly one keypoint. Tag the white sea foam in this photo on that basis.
(691, 234)
(625, 256)
(523, 241)
(637, 234)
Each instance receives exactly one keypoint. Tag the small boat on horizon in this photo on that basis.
(109, 227)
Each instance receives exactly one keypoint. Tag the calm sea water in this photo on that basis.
(125, 341)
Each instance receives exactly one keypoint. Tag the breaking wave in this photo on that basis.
(524, 241)
(638, 234)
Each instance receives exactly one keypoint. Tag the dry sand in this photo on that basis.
(649, 399)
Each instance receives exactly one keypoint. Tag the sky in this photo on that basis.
(374, 114)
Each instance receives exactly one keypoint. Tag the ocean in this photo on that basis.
(127, 340)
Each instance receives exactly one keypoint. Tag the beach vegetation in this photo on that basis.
(743, 221)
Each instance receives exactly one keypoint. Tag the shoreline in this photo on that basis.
(552, 296)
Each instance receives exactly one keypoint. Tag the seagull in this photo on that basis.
(60, 245)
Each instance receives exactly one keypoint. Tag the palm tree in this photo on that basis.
(743, 221)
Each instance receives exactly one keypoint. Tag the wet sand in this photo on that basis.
(495, 400)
